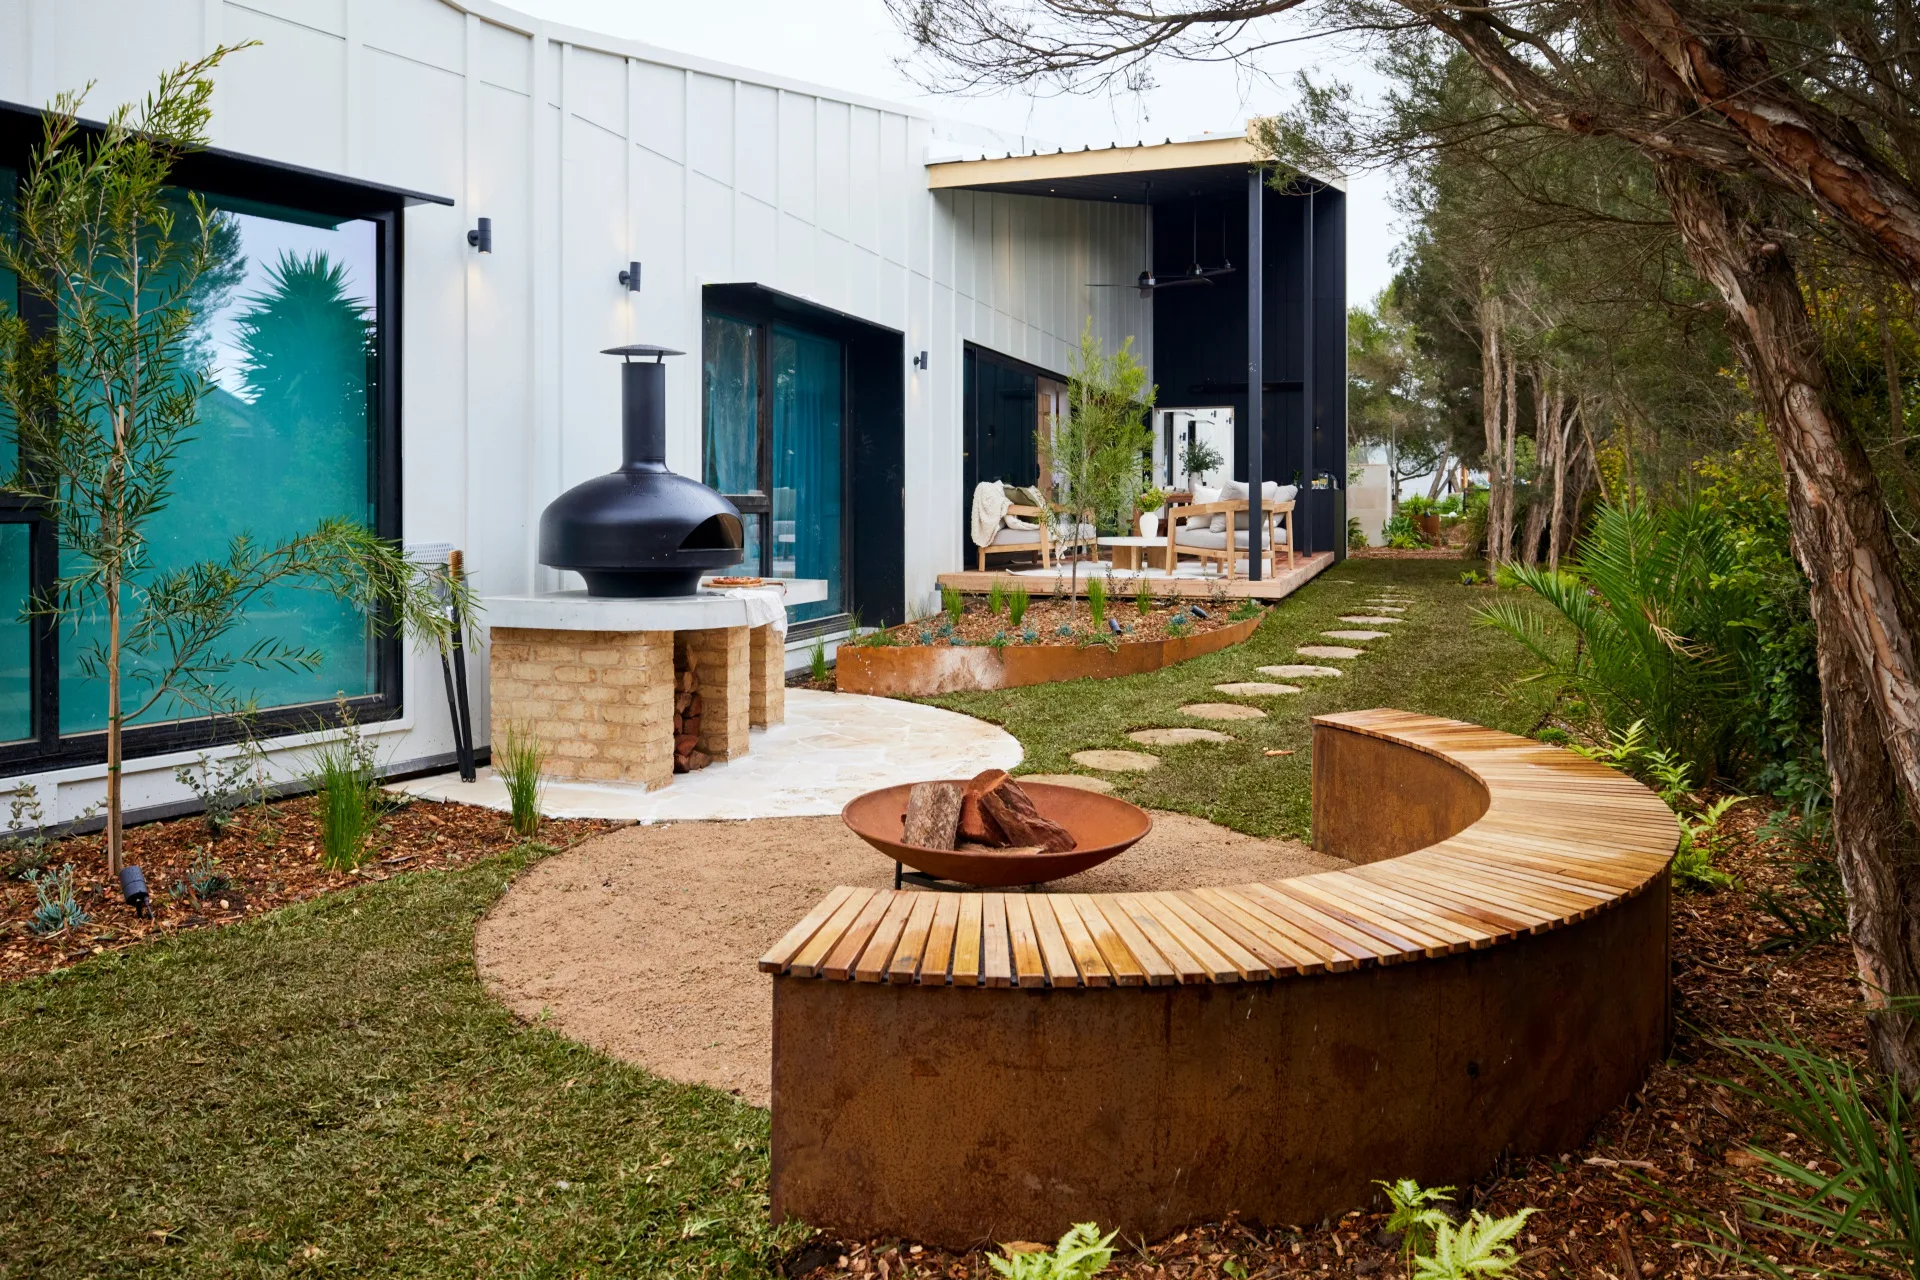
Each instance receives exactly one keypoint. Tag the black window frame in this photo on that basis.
(222, 173)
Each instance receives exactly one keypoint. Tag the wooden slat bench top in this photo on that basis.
(1563, 838)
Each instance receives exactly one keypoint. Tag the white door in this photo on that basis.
(1179, 428)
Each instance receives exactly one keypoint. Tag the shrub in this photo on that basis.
(1479, 1247)
(1081, 1254)
(1018, 599)
(520, 762)
(1401, 535)
(1814, 907)
(342, 776)
(1413, 1215)
(1418, 504)
(58, 910)
(1662, 608)
(1097, 601)
(226, 786)
(1356, 533)
(27, 847)
(1862, 1197)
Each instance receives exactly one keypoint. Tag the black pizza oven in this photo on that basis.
(641, 530)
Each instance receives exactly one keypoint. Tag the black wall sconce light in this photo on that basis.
(920, 361)
(631, 277)
(481, 237)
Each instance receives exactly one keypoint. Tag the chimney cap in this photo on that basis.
(641, 349)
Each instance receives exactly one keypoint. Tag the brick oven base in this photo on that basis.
(601, 702)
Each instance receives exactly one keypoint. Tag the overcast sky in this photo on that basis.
(851, 44)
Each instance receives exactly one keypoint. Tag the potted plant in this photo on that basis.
(1425, 514)
(1199, 459)
(1151, 500)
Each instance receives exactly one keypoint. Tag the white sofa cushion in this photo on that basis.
(1216, 540)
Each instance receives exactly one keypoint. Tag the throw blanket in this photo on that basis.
(990, 505)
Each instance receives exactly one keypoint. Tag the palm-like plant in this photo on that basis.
(1661, 620)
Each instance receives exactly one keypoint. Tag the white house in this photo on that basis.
(920, 282)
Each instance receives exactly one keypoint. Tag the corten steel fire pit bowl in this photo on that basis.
(1102, 827)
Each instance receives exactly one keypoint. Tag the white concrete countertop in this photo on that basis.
(713, 607)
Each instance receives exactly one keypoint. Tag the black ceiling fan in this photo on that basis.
(1148, 282)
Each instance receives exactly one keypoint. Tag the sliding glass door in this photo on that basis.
(775, 409)
(808, 402)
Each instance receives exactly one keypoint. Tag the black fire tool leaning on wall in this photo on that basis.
(463, 717)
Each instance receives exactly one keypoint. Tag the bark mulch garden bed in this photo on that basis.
(1623, 1206)
(267, 857)
(1050, 622)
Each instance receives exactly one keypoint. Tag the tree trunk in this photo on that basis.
(1561, 438)
(1490, 401)
(1440, 474)
(1512, 415)
(1548, 408)
(1863, 613)
(114, 812)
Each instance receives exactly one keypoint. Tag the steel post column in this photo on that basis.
(1255, 470)
(1304, 522)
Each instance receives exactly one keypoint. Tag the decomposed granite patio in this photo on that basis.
(640, 943)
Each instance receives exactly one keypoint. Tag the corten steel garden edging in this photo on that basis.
(919, 670)
(1489, 979)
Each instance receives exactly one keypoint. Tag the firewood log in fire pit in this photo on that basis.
(991, 812)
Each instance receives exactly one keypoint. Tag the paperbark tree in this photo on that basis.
(1695, 89)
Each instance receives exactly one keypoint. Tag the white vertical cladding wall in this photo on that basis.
(589, 152)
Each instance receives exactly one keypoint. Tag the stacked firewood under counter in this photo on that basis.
(687, 755)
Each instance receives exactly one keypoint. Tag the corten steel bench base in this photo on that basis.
(929, 1107)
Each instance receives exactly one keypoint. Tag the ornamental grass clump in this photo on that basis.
(342, 775)
(953, 604)
(1097, 602)
(520, 761)
(996, 598)
(1017, 601)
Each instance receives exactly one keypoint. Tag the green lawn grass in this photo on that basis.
(329, 1091)
(1437, 661)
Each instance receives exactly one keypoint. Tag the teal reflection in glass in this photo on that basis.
(730, 376)
(284, 340)
(808, 401)
(16, 633)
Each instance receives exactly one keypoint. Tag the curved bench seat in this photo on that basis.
(1490, 976)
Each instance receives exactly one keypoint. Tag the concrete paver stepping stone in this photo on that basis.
(1299, 670)
(1255, 689)
(1117, 761)
(1078, 781)
(1369, 619)
(1384, 607)
(1329, 651)
(1222, 711)
(1177, 737)
(1354, 635)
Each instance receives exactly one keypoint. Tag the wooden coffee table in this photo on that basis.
(1130, 552)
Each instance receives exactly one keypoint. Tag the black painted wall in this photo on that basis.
(1200, 332)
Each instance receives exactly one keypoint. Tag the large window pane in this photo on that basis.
(731, 375)
(16, 633)
(808, 400)
(286, 437)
